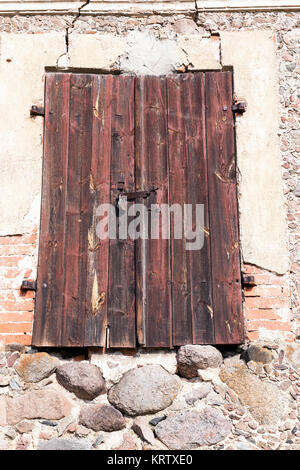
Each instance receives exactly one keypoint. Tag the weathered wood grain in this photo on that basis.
(98, 250)
(152, 255)
(51, 266)
(191, 283)
(121, 301)
(223, 212)
(77, 211)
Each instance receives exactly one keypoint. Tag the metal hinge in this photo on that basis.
(248, 281)
(37, 111)
(28, 285)
(239, 107)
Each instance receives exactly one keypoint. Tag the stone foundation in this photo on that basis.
(195, 398)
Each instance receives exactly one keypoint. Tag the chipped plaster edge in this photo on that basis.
(263, 228)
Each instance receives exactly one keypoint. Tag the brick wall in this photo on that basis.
(267, 306)
(17, 262)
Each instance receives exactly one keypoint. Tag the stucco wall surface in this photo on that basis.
(22, 70)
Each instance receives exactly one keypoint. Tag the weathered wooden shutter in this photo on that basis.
(106, 133)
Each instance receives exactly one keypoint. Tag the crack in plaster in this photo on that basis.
(63, 59)
(196, 14)
(69, 28)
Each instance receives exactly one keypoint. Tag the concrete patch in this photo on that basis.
(23, 58)
(147, 55)
(262, 213)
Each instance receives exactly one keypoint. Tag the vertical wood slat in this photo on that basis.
(77, 211)
(181, 308)
(50, 274)
(121, 302)
(98, 250)
(191, 296)
(223, 212)
(199, 260)
(152, 255)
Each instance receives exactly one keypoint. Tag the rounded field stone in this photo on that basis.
(101, 418)
(35, 367)
(83, 379)
(144, 390)
(192, 357)
(259, 354)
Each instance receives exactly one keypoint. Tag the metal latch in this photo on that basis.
(28, 285)
(132, 195)
(126, 196)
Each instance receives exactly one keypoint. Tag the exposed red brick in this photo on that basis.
(14, 306)
(15, 317)
(7, 250)
(261, 314)
(18, 339)
(269, 325)
(265, 302)
(26, 294)
(10, 260)
(12, 273)
(265, 291)
(16, 327)
(12, 359)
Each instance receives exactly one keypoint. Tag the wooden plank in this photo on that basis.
(121, 302)
(181, 305)
(191, 283)
(98, 250)
(198, 259)
(223, 212)
(48, 308)
(152, 255)
(77, 211)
